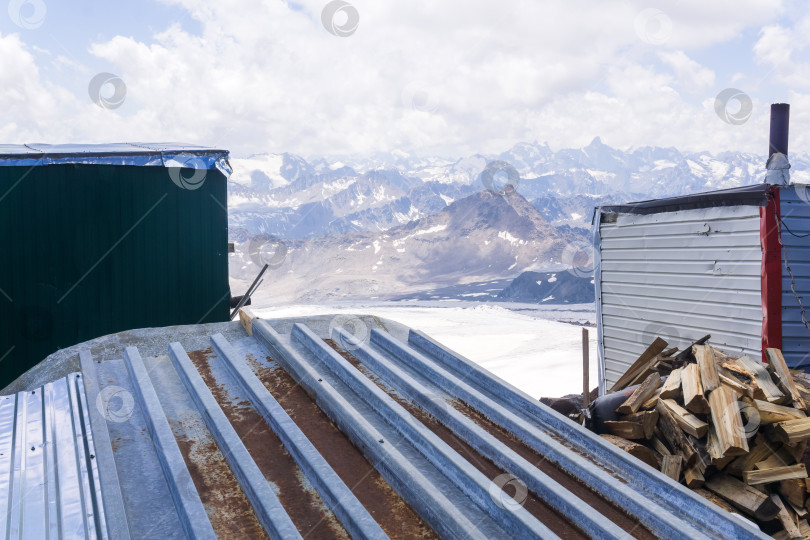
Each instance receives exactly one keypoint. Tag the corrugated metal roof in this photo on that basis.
(679, 276)
(753, 195)
(49, 485)
(303, 430)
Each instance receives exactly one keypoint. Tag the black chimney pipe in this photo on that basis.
(780, 122)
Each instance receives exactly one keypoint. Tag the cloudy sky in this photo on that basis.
(430, 77)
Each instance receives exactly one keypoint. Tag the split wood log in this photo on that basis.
(770, 413)
(794, 490)
(713, 448)
(684, 355)
(672, 386)
(650, 403)
(780, 458)
(731, 437)
(671, 466)
(790, 526)
(641, 394)
(739, 371)
(647, 420)
(688, 421)
(693, 398)
(652, 367)
(662, 366)
(678, 442)
(734, 384)
(777, 366)
(801, 377)
(761, 449)
(744, 497)
(760, 377)
(641, 365)
(658, 445)
(693, 477)
(800, 511)
(707, 366)
(804, 391)
(720, 355)
(777, 474)
(804, 530)
(636, 450)
(669, 352)
(624, 429)
(797, 451)
(792, 431)
(703, 461)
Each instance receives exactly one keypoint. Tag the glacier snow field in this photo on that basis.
(536, 348)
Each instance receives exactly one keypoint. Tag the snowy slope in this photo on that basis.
(540, 356)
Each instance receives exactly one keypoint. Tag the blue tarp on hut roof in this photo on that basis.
(138, 154)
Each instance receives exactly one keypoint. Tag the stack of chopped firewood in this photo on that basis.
(732, 429)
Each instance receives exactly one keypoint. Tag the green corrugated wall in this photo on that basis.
(90, 250)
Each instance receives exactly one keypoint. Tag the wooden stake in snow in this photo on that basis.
(246, 317)
(586, 393)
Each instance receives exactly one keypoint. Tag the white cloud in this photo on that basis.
(421, 76)
(699, 23)
(784, 50)
(28, 102)
(691, 76)
(641, 107)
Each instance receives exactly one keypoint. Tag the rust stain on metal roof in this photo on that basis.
(581, 490)
(395, 516)
(226, 504)
(550, 517)
(305, 507)
(228, 508)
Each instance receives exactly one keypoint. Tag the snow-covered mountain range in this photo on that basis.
(385, 225)
(477, 238)
(291, 197)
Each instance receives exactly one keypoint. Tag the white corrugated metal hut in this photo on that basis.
(734, 264)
